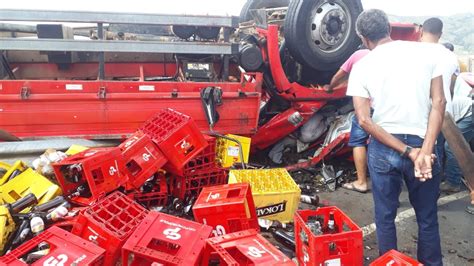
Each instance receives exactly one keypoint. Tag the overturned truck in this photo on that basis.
(257, 75)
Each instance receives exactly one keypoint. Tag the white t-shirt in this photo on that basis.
(462, 103)
(397, 76)
(449, 66)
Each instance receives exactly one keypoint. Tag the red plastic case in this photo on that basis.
(109, 222)
(192, 184)
(102, 171)
(158, 196)
(345, 247)
(176, 135)
(142, 159)
(395, 258)
(227, 208)
(243, 248)
(65, 249)
(166, 240)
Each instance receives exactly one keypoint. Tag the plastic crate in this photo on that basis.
(7, 226)
(109, 222)
(158, 196)
(65, 249)
(9, 169)
(177, 136)
(227, 208)
(228, 151)
(27, 182)
(206, 159)
(395, 258)
(243, 248)
(343, 248)
(191, 185)
(275, 193)
(162, 239)
(102, 171)
(142, 159)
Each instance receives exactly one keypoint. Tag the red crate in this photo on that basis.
(101, 171)
(395, 258)
(162, 239)
(227, 208)
(109, 222)
(243, 248)
(158, 196)
(176, 135)
(344, 248)
(142, 159)
(65, 249)
(206, 159)
(192, 184)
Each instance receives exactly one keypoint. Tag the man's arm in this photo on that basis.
(435, 120)
(339, 78)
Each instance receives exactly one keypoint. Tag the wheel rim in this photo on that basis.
(330, 26)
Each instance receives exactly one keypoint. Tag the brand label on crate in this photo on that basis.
(177, 225)
(219, 231)
(233, 151)
(271, 209)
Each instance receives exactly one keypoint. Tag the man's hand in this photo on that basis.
(423, 166)
(328, 88)
(472, 197)
(414, 154)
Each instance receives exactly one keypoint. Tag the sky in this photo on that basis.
(232, 7)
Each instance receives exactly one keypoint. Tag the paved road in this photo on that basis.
(456, 226)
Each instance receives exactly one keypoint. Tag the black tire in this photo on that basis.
(256, 4)
(318, 45)
(208, 33)
(183, 32)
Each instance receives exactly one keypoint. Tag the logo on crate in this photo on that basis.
(219, 231)
(271, 209)
(255, 252)
(56, 261)
(112, 170)
(172, 233)
(146, 157)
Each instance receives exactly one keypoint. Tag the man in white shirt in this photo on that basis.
(431, 32)
(404, 82)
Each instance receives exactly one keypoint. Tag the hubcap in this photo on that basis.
(331, 25)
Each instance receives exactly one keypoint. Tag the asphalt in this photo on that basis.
(456, 226)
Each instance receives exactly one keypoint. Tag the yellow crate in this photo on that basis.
(29, 182)
(275, 193)
(7, 226)
(227, 151)
(75, 149)
(18, 165)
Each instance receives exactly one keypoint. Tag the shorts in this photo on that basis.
(358, 137)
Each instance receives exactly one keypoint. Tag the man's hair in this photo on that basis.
(449, 46)
(373, 24)
(433, 26)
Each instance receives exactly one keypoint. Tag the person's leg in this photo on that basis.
(423, 197)
(439, 151)
(386, 187)
(360, 161)
(452, 171)
(358, 140)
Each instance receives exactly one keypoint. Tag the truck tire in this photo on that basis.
(321, 33)
(256, 4)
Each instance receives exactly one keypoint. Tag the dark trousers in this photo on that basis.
(387, 171)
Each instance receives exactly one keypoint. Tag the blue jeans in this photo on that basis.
(452, 171)
(358, 136)
(388, 170)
